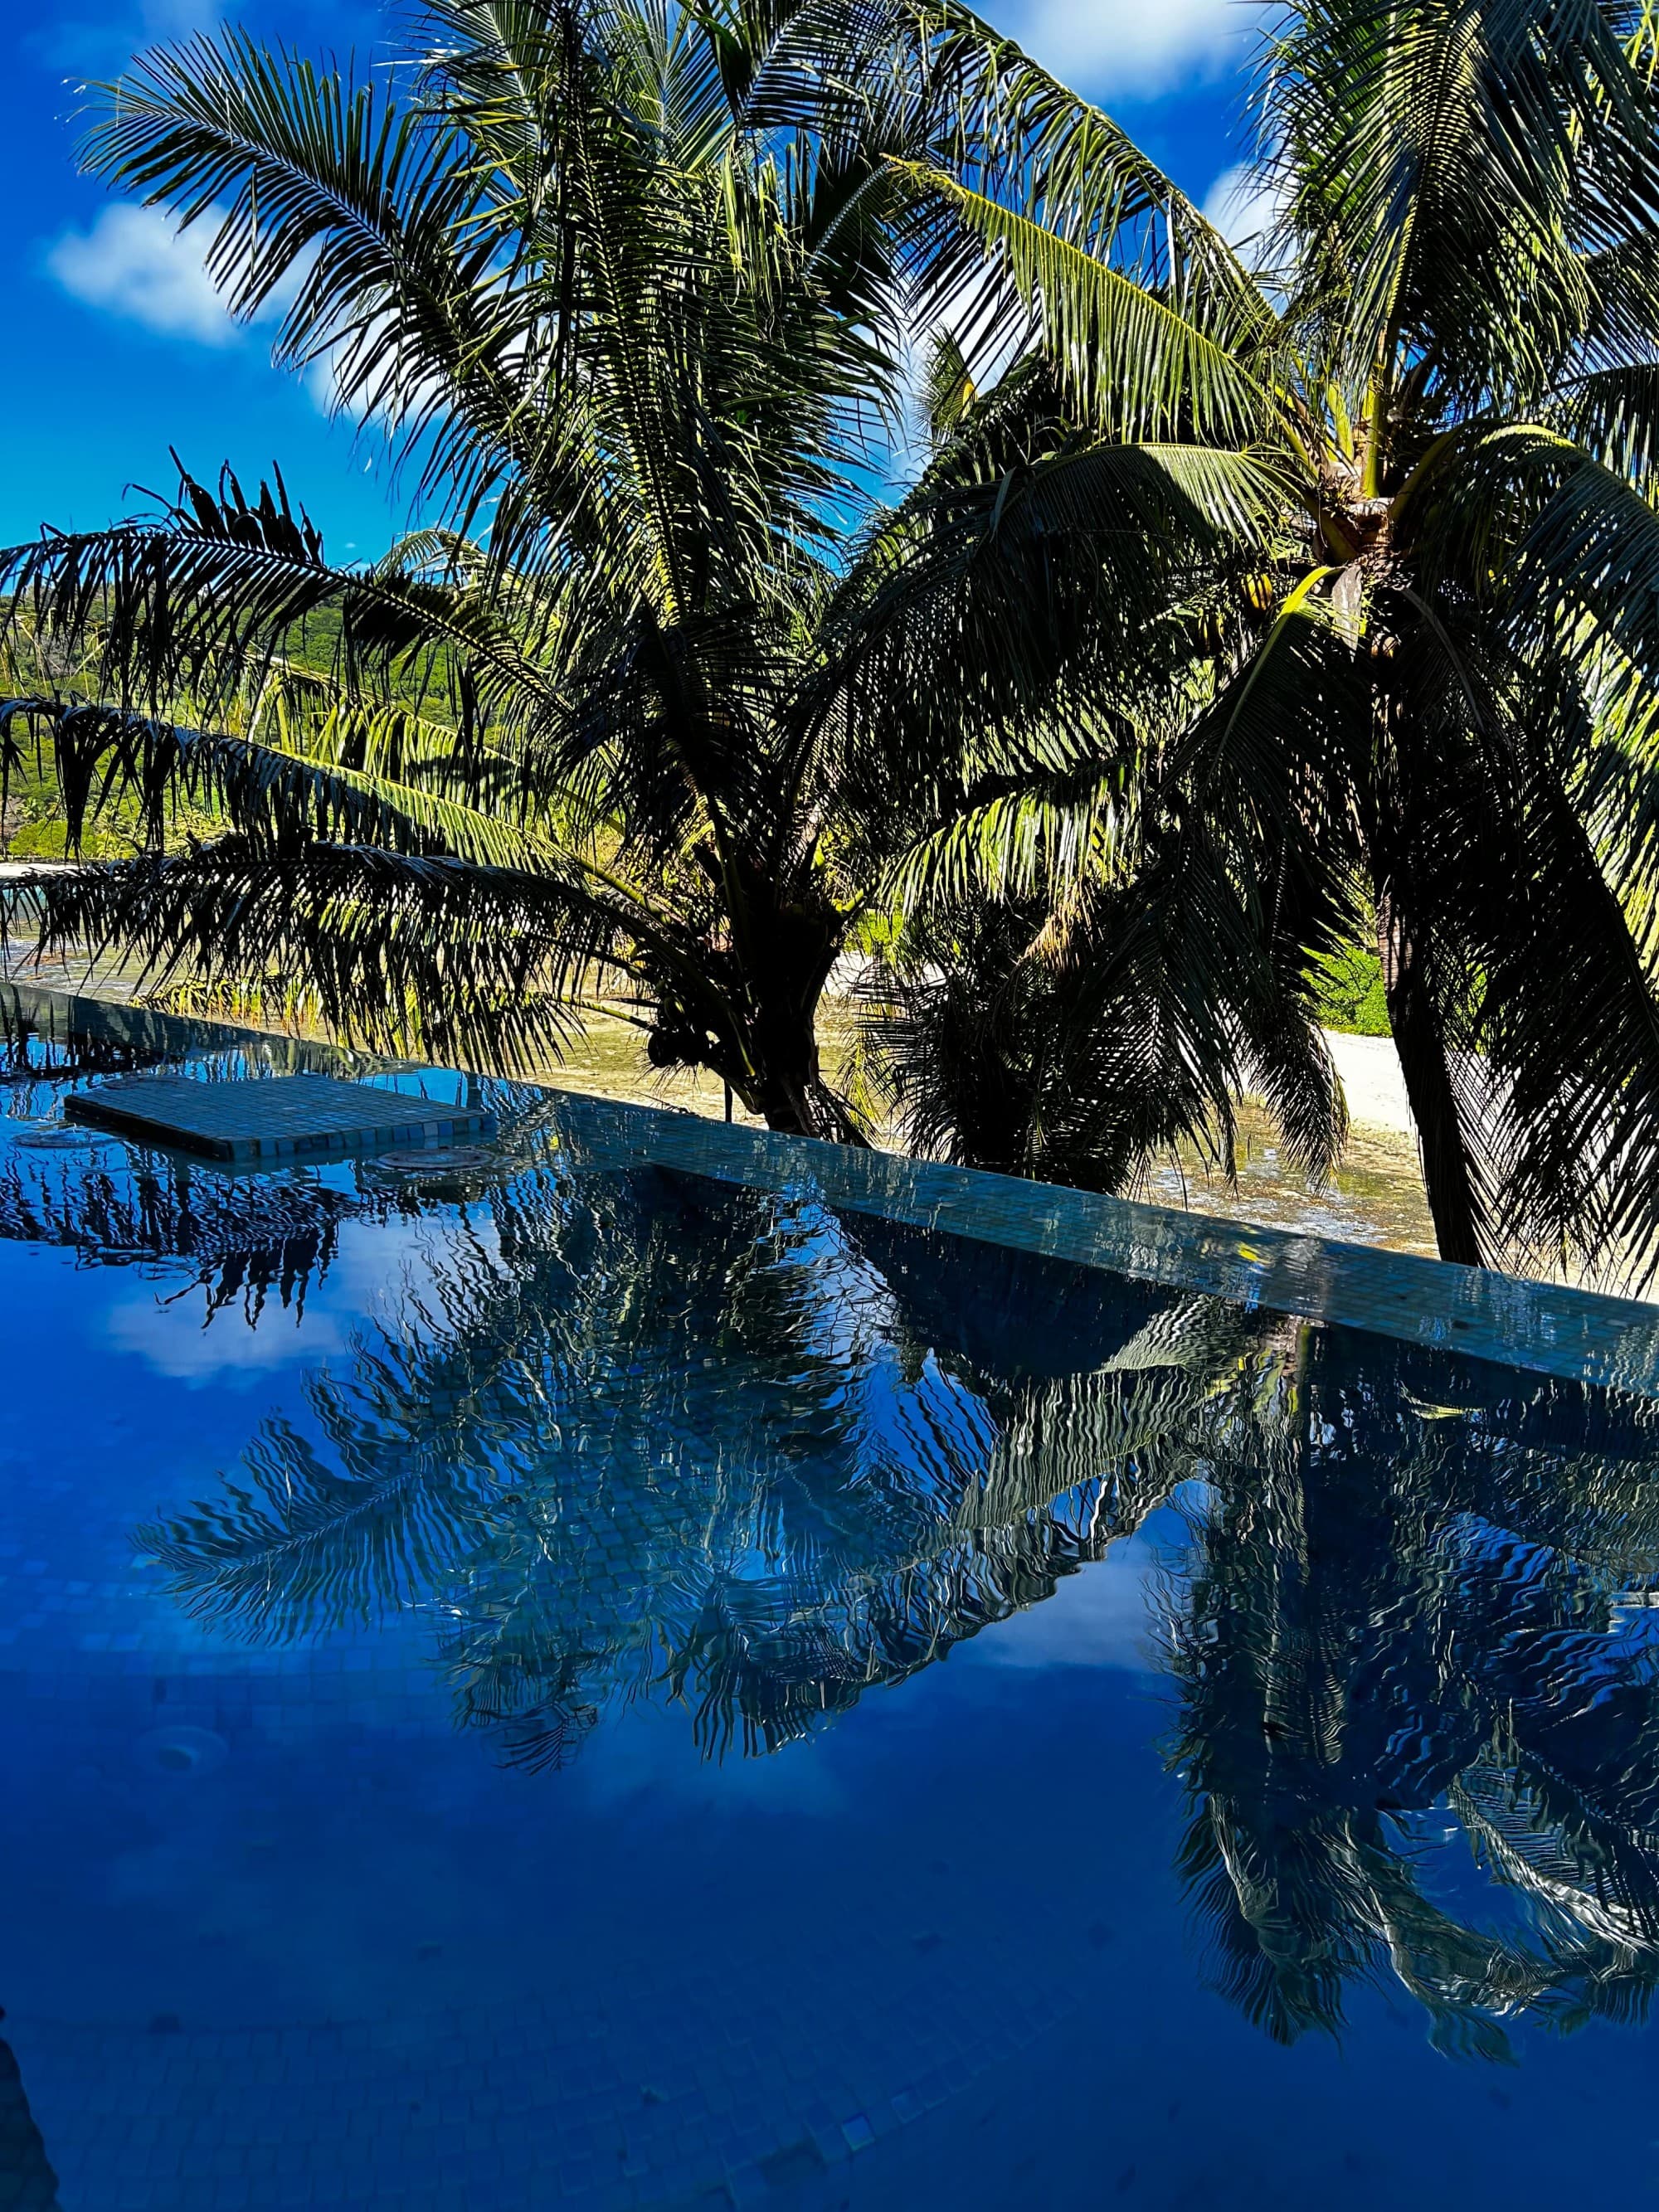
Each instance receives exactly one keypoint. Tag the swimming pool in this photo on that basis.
(552, 1678)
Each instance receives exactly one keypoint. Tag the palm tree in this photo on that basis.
(1420, 699)
(651, 702)
(1079, 1056)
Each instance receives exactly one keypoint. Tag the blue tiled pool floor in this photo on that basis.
(584, 1684)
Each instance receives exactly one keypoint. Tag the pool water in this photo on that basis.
(529, 1680)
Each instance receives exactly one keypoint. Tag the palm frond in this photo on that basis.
(1138, 364)
(1445, 170)
(405, 952)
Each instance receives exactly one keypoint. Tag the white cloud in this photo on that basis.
(324, 380)
(388, 409)
(1137, 47)
(133, 264)
(1244, 210)
(379, 1269)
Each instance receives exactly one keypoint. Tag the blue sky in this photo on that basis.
(118, 349)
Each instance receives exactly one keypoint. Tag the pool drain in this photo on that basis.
(435, 1161)
(182, 1751)
(59, 1137)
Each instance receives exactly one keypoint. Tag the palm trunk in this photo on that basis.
(785, 1084)
(787, 947)
(764, 1049)
(1418, 1040)
(786, 1089)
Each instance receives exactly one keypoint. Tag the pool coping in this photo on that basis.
(1547, 1329)
(1476, 1312)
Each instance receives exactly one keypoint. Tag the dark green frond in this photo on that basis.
(404, 953)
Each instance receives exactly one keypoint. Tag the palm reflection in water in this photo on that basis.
(1422, 1600)
(638, 1436)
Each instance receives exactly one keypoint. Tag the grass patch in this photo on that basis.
(1350, 997)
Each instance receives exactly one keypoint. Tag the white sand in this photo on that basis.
(1372, 1082)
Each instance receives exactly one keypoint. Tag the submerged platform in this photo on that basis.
(270, 1117)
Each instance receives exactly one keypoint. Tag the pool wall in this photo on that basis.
(1546, 1328)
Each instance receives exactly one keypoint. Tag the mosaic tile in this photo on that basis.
(281, 1116)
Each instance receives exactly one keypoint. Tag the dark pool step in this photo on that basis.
(272, 1117)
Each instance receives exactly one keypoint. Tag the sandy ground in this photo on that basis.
(1373, 1083)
